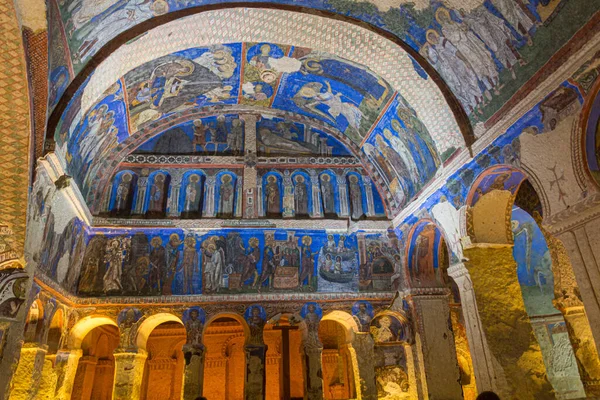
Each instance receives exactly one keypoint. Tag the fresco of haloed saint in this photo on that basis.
(534, 264)
(276, 136)
(180, 81)
(264, 63)
(172, 262)
(223, 134)
(92, 136)
(423, 256)
(402, 151)
(337, 92)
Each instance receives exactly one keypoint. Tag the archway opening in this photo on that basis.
(95, 372)
(163, 371)
(55, 331)
(338, 372)
(225, 362)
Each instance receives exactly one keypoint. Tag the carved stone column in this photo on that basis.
(142, 184)
(568, 301)
(250, 159)
(288, 195)
(578, 228)
(194, 353)
(256, 353)
(364, 347)
(507, 328)
(437, 344)
(26, 379)
(343, 192)
(485, 375)
(173, 200)
(311, 350)
(209, 204)
(66, 369)
(129, 371)
(370, 211)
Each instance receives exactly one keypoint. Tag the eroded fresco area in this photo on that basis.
(484, 50)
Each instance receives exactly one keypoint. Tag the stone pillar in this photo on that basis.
(254, 387)
(47, 388)
(26, 379)
(343, 193)
(209, 203)
(142, 184)
(175, 189)
(370, 211)
(578, 228)
(87, 371)
(288, 195)
(250, 159)
(437, 345)
(483, 367)
(66, 365)
(509, 334)
(364, 347)
(193, 376)
(568, 301)
(129, 371)
(317, 211)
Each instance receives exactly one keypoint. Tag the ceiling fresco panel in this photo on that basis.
(484, 50)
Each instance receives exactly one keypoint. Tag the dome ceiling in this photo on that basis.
(178, 81)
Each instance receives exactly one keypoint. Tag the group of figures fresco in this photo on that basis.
(228, 261)
(291, 194)
(222, 134)
(347, 97)
(478, 48)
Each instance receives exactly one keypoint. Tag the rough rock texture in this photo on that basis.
(439, 354)
(129, 371)
(489, 223)
(48, 381)
(364, 347)
(508, 330)
(28, 374)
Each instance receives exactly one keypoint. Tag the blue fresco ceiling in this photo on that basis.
(484, 49)
(177, 104)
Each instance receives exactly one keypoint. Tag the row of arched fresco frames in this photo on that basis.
(331, 201)
(126, 193)
(128, 197)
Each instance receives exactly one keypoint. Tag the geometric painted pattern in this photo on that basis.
(14, 125)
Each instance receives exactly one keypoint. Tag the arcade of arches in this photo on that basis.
(299, 199)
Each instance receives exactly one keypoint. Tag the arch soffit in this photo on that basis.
(240, 319)
(346, 320)
(149, 324)
(85, 326)
(411, 235)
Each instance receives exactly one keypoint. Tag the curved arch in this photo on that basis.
(588, 122)
(346, 320)
(507, 180)
(149, 324)
(234, 316)
(406, 336)
(85, 326)
(194, 208)
(414, 234)
(115, 43)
